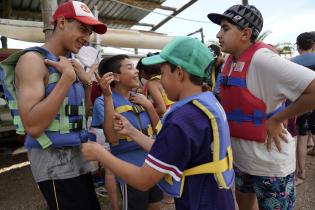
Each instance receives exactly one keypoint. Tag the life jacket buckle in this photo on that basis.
(77, 125)
(225, 80)
(137, 109)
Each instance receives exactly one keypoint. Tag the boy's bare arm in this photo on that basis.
(156, 95)
(142, 178)
(305, 103)
(108, 124)
(36, 110)
(109, 110)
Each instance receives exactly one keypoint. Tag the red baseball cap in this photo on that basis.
(80, 12)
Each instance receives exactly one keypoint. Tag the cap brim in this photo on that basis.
(156, 59)
(217, 18)
(98, 27)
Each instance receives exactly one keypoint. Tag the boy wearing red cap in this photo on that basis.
(49, 92)
(254, 84)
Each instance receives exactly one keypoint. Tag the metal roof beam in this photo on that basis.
(185, 6)
(146, 4)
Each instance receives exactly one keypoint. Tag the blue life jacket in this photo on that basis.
(69, 126)
(137, 116)
(222, 165)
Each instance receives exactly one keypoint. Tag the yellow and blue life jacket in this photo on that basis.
(137, 116)
(222, 165)
(69, 126)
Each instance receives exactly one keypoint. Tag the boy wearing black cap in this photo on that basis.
(255, 82)
(191, 158)
(50, 109)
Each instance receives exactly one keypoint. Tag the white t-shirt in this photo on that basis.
(272, 79)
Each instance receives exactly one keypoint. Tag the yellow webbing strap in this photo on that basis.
(216, 141)
(213, 78)
(156, 77)
(158, 127)
(124, 108)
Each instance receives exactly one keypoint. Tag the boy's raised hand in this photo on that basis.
(275, 133)
(122, 126)
(105, 82)
(64, 66)
(84, 76)
(140, 99)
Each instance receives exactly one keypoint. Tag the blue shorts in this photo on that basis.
(272, 192)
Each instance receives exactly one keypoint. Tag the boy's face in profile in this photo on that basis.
(168, 80)
(229, 37)
(128, 76)
(76, 35)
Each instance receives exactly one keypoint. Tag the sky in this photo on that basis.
(286, 19)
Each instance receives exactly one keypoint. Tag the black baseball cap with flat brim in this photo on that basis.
(245, 16)
(217, 18)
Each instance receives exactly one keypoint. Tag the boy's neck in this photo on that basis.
(123, 91)
(189, 90)
(54, 46)
(238, 53)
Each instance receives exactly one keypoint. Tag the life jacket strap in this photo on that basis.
(125, 108)
(232, 81)
(238, 116)
(74, 110)
(53, 78)
(147, 131)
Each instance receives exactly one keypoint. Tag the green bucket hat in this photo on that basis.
(186, 52)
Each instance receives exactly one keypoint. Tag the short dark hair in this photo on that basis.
(111, 64)
(215, 49)
(193, 78)
(148, 69)
(305, 41)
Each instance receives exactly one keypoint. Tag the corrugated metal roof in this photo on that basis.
(120, 16)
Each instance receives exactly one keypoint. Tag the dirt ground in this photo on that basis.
(18, 190)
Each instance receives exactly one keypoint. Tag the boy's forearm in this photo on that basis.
(109, 120)
(305, 103)
(142, 140)
(128, 172)
(88, 102)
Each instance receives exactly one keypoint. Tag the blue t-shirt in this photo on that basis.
(184, 142)
(135, 157)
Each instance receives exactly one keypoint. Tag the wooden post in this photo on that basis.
(6, 12)
(48, 7)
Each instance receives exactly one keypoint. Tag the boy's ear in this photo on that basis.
(61, 22)
(247, 34)
(180, 73)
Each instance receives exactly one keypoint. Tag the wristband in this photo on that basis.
(88, 84)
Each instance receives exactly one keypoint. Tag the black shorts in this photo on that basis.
(70, 194)
(306, 123)
(139, 200)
